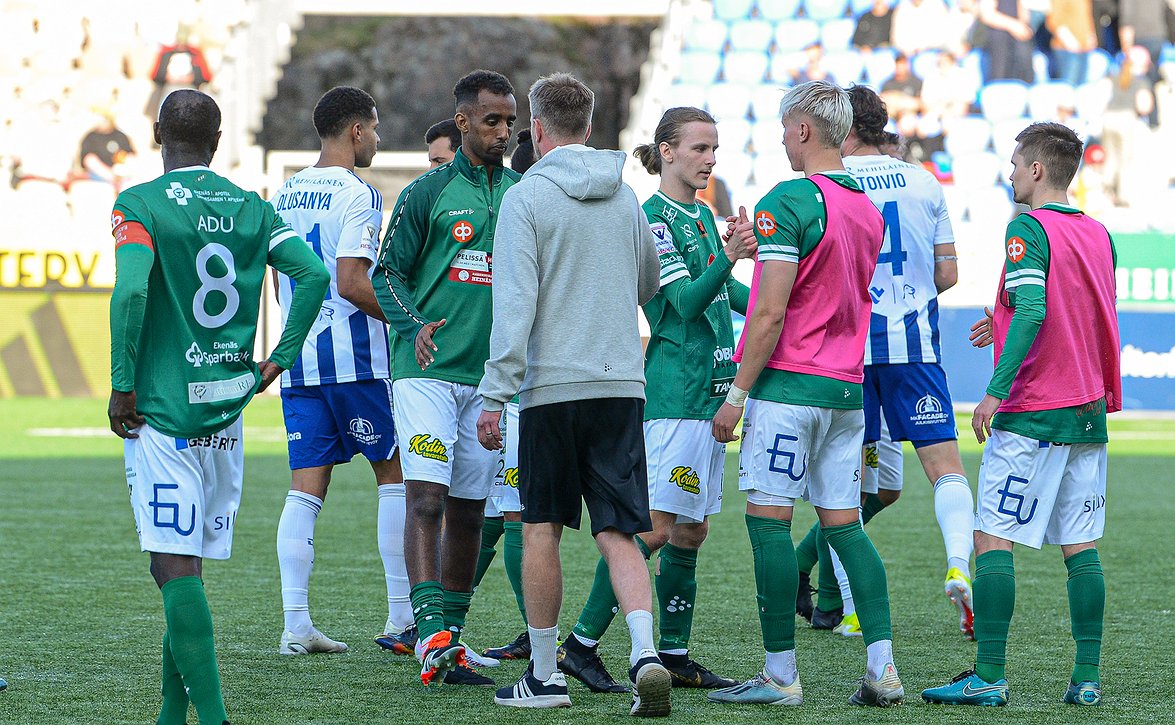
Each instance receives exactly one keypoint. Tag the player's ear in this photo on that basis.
(155, 133)
(462, 122)
(588, 135)
(215, 143)
(666, 152)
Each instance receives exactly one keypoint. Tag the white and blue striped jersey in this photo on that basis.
(339, 216)
(903, 327)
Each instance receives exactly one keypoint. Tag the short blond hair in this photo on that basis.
(564, 105)
(827, 104)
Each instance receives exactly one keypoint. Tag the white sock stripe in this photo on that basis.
(952, 478)
(300, 498)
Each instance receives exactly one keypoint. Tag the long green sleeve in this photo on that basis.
(1026, 322)
(692, 297)
(398, 255)
(294, 258)
(740, 295)
(128, 306)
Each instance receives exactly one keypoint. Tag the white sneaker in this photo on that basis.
(312, 643)
(476, 660)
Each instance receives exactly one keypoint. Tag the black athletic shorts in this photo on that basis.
(594, 449)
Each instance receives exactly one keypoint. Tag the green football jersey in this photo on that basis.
(688, 365)
(185, 345)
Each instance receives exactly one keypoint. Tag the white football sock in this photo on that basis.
(543, 643)
(880, 654)
(295, 557)
(842, 581)
(585, 640)
(389, 523)
(955, 510)
(781, 667)
(640, 629)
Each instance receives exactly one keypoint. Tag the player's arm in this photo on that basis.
(397, 257)
(515, 293)
(356, 252)
(739, 294)
(134, 256)
(692, 297)
(1025, 273)
(292, 257)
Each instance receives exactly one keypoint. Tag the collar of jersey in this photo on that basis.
(695, 214)
(476, 174)
(189, 168)
(1062, 208)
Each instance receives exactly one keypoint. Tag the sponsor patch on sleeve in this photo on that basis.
(664, 239)
(1016, 249)
(765, 223)
(132, 233)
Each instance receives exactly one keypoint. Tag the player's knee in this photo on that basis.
(656, 538)
(426, 508)
(888, 497)
(690, 536)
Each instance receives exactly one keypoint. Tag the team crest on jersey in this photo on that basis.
(427, 446)
(463, 232)
(663, 238)
(686, 479)
(1016, 249)
(701, 228)
(765, 223)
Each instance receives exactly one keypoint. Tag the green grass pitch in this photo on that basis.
(81, 620)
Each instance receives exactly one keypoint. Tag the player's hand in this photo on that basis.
(981, 419)
(489, 429)
(425, 347)
(725, 422)
(124, 414)
(740, 236)
(270, 371)
(981, 331)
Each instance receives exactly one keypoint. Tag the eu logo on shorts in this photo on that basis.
(789, 458)
(1007, 496)
(162, 510)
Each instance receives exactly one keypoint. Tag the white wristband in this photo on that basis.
(945, 258)
(736, 396)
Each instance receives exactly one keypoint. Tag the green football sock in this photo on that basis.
(993, 590)
(456, 607)
(827, 590)
(871, 507)
(776, 581)
(677, 590)
(491, 531)
(601, 605)
(806, 553)
(175, 697)
(867, 579)
(1087, 608)
(428, 608)
(513, 552)
(189, 629)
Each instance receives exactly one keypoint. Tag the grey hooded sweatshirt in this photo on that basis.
(573, 259)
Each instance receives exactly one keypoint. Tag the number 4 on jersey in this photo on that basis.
(895, 256)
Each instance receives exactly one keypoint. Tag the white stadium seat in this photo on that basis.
(744, 66)
(1003, 99)
(966, 135)
(751, 35)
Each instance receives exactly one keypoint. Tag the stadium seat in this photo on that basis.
(778, 9)
(1003, 99)
(976, 171)
(923, 64)
(784, 65)
(744, 66)
(1092, 99)
(837, 34)
(751, 35)
(728, 100)
(966, 135)
(859, 7)
(733, 134)
(700, 66)
(765, 100)
(956, 200)
(732, 9)
(991, 208)
(1099, 66)
(1003, 135)
(706, 35)
(796, 34)
(879, 66)
(824, 9)
(846, 66)
(771, 168)
(733, 168)
(767, 136)
(1045, 98)
(686, 94)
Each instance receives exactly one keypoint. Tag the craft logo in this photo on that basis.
(686, 479)
(463, 231)
(362, 431)
(179, 193)
(765, 223)
(511, 477)
(1016, 249)
(426, 446)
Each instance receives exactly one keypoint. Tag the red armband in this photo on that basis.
(132, 233)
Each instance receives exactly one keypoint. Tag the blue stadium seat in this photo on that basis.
(744, 66)
(1045, 98)
(733, 134)
(728, 101)
(778, 9)
(966, 135)
(1003, 99)
(1099, 66)
(976, 171)
(846, 66)
(732, 9)
(837, 34)
(1091, 100)
(860, 7)
(784, 64)
(824, 9)
(796, 34)
(700, 66)
(686, 94)
(706, 35)
(751, 35)
(765, 100)
(1003, 135)
(879, 66)
(924, 63)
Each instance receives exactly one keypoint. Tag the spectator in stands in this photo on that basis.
(945, 90)
(1124, 127)
(177, 66)
(1008, 40)
(902, 93)
(923, 138)
(813, 69)
(1074, 37)
(918, 25)
(874, 27)
(105, 151)
(1143, 23)
(443, 139)
(39, 154)
(894, 146)
(960, 31)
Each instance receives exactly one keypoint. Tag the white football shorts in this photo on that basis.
(883, 464)
(685, 466)
(504, 495)
(436, 424)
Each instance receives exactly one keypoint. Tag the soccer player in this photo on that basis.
(432, 282)
(443, 138)
(1042, 479)
(802, 363)
(904, 379)
(689, 368)
(575, 258)
(337, 397)
(191, 250)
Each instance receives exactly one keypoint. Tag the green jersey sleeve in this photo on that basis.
(397, 256)
(789, 221)
(740, 295)
(292, 257)
(688, 296)
(1025, 273)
